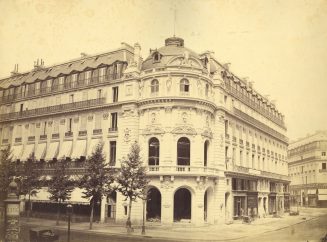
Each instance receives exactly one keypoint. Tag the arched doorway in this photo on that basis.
(153, 205)
(182, 204)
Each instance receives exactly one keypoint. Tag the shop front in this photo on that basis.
(252, 204)
(272, 203)
(240, 205)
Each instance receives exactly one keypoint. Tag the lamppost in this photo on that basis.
(12, 214)
(69, 213)
(143, 222)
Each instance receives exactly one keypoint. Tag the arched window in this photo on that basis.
(154, 149)
(154, 86)
(184, 85)
(156, 57)
(183, 152)
(206, 146)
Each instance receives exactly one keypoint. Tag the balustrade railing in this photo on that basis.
(192, 170)
(52, 109)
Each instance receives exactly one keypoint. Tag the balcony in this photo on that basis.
(55, 136)
(68, 134)
(31, 138)
(43, 137)
(97, 131)
(113, 129)
(52, 109)
(183, 170)
(18, 140)
(82, 133)
(260, 125)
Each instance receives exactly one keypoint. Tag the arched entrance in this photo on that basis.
(182, 204)
(153, 205)
(207, 205)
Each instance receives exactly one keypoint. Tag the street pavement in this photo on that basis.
(310, 225)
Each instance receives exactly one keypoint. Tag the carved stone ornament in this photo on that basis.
(62, 121)
(127, 135)
(167, 183)
(141, 86)
(207, 133)
(153, 117)
(38, 125)
(90, 118)
(50, 123)
(184, 130)
(184, 118)
(153, 130)
(168, 109)
(105, 116)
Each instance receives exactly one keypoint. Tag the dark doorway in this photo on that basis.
(182, 204)
(153, 205)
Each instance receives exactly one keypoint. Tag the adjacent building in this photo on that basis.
(307, 170)
(215, 148)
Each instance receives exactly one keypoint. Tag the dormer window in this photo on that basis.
(156, 57)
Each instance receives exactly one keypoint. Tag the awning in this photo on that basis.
(40, 151)
(42, 194)
(76, 196)
(91, 147)
(29, 149)
(52, 151)
(322, 197)
(79, 149)
(322, 191)
(16, 152)
(65, 149)
(312, 191)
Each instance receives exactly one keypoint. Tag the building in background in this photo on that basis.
(307, 170)
(215, 149)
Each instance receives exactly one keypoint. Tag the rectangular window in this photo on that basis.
(83, 123)
(323, 166)
(323, 153)
(241, 158)
(114, 121)
(98, 117)
(99, 93)
(112, 160)
(70, 125)
(115, 94)
(71, 98)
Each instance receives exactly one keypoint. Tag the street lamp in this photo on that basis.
(143, 222)
(69, 213)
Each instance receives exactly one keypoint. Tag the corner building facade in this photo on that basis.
(215, 149)
(307, 170)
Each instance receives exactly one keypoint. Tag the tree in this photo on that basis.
(28, 179)
(60, 187)
(7, 171)
(132, 180)
(98, 180)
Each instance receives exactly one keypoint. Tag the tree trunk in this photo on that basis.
(91, 216)
(29, 206)
(58, 213)
(128, 222)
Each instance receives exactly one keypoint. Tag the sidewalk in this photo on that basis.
(222, 232)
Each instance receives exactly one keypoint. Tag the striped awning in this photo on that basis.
(52, 151)
(40, 151)
(16, 152)
(28, 150)
(65, 149)
(91, 147)
(79, 149)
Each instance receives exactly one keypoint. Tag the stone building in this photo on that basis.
(307, 170)
(215, 149)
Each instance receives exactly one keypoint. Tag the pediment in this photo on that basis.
(184, 130)
(207, 133)
(181, 60)
(153, 130)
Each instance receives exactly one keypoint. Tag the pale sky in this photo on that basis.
(280, 45)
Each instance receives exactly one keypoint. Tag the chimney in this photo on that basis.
(137, 54)
(15, 71)
(251, 84)
(38, 64)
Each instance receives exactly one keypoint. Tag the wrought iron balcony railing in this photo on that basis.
(52, 109)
